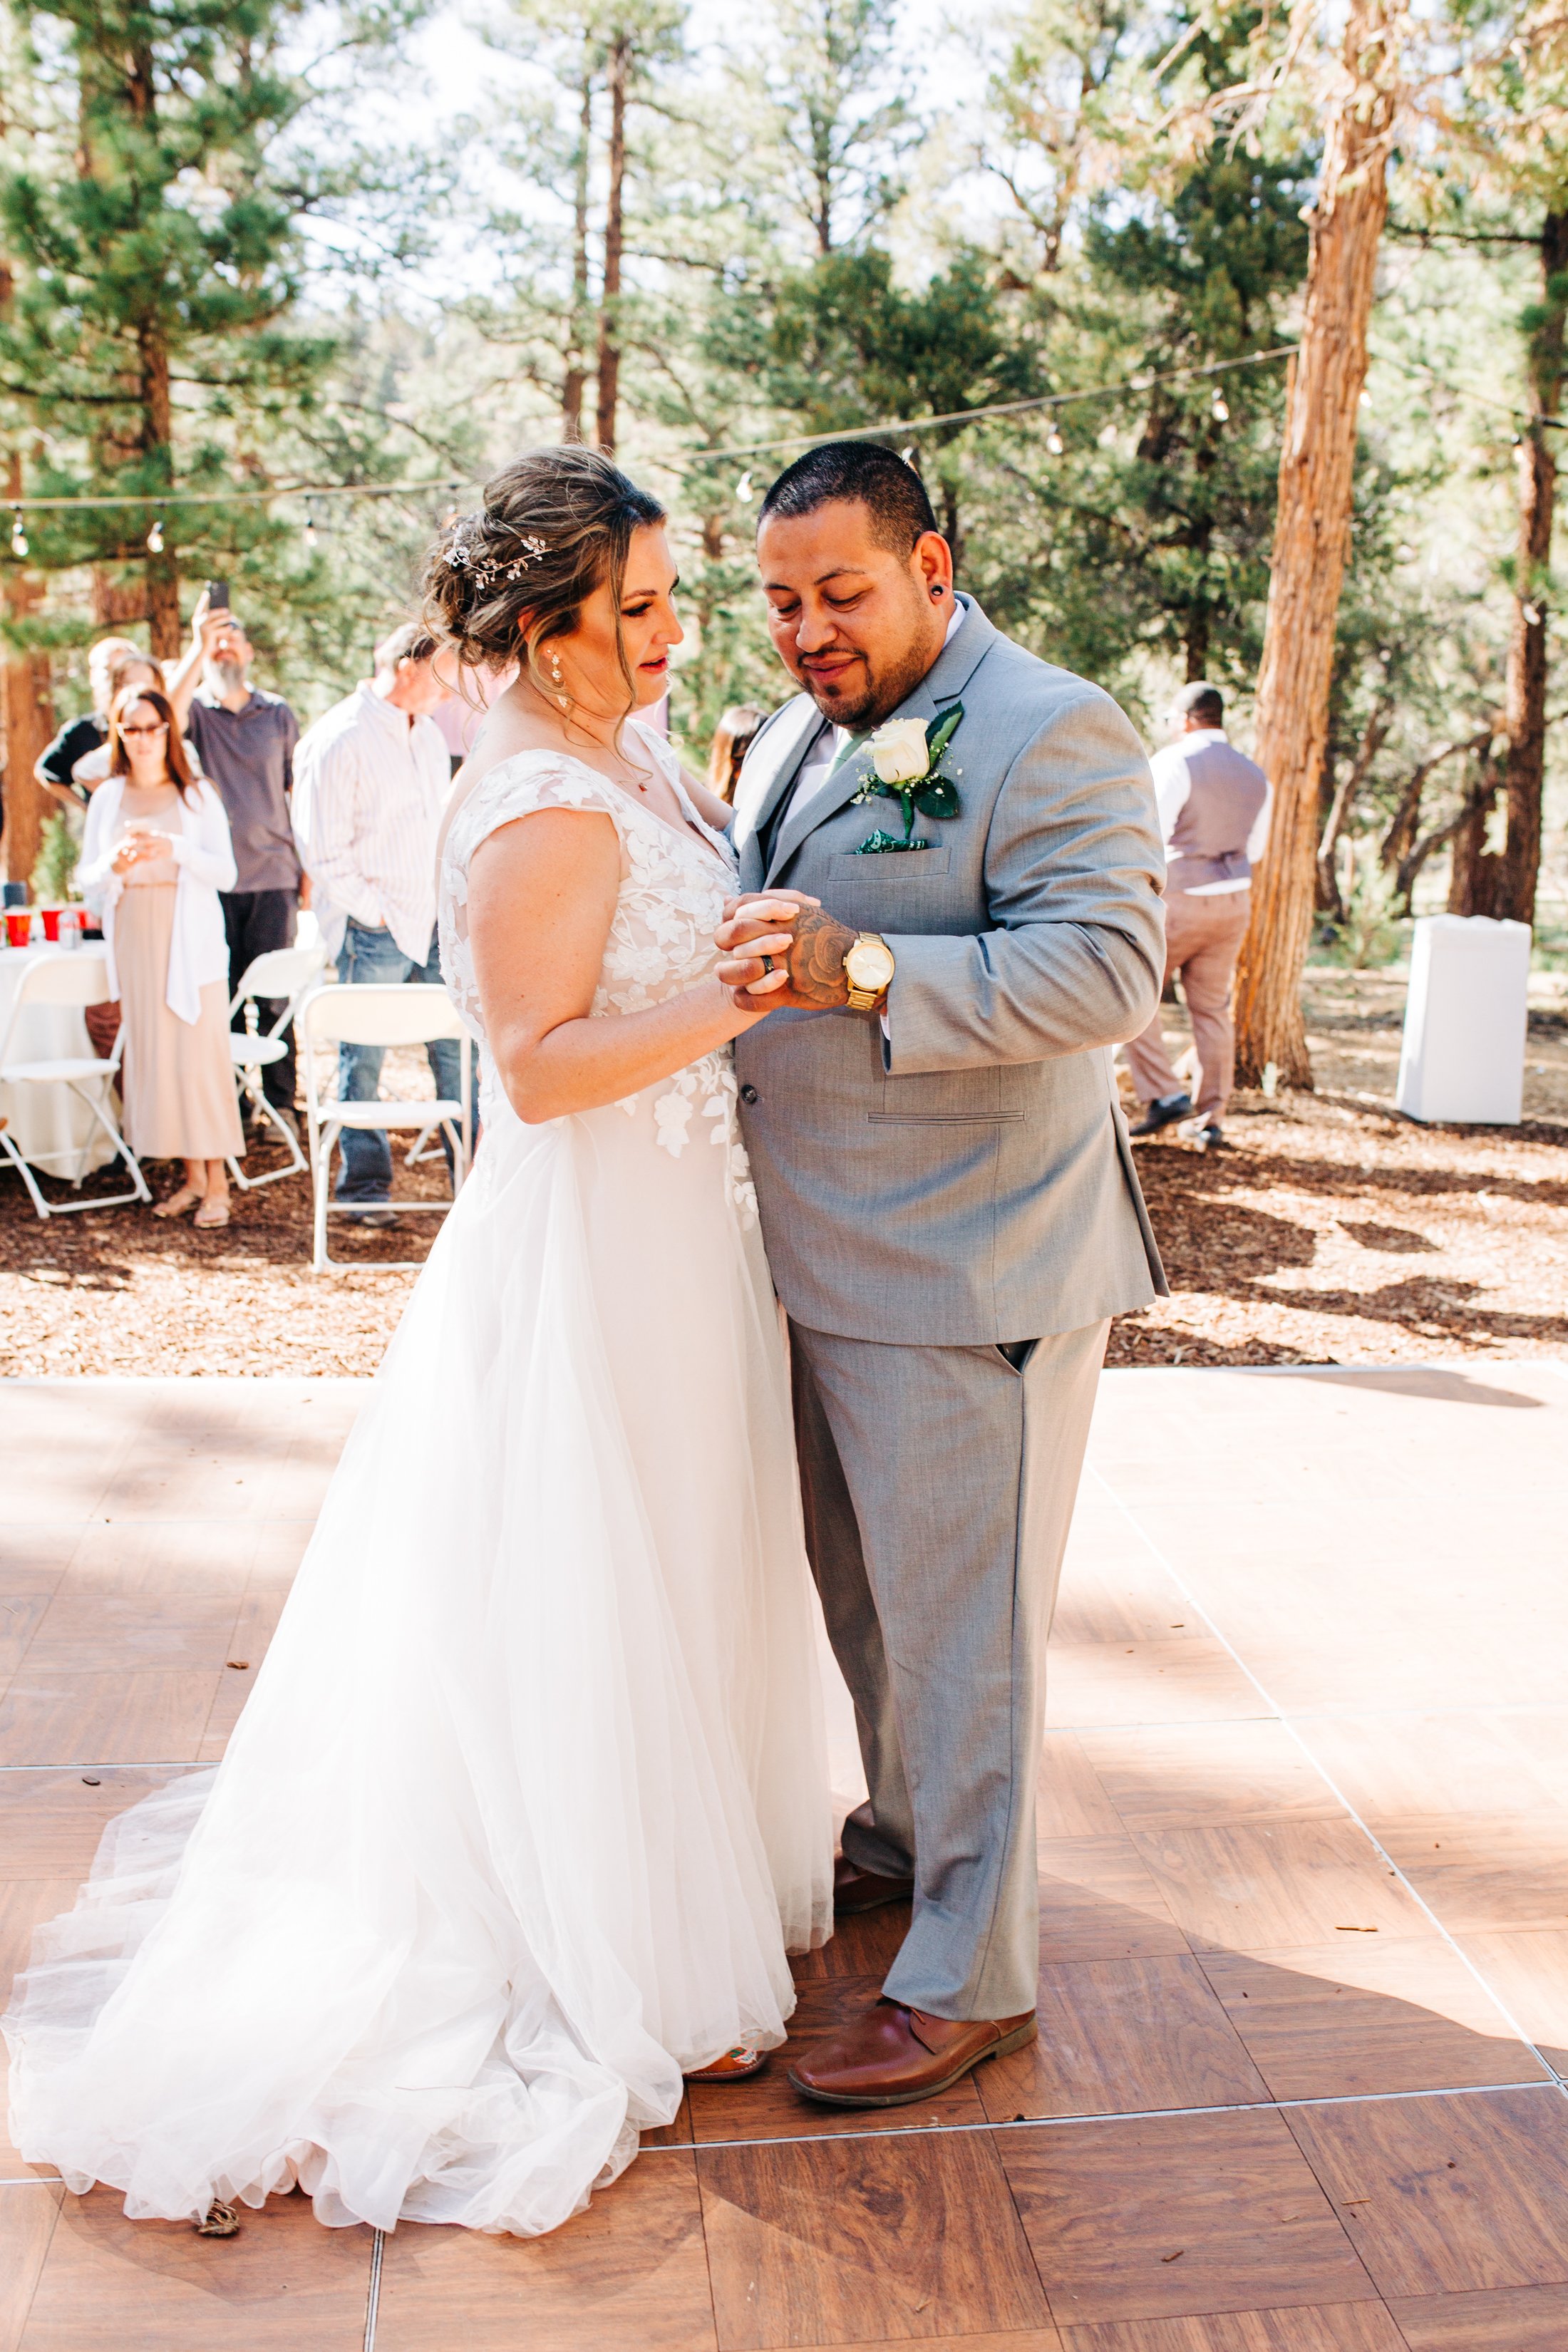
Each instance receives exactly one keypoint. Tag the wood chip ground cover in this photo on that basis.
(1330, 1231)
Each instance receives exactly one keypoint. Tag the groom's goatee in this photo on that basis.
(880, 691)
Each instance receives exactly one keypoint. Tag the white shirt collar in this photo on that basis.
(399, 722)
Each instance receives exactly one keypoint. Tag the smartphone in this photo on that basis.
(218, 595)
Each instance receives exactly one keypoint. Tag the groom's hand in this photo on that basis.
(807, 957)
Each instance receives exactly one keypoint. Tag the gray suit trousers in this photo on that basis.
(938, 1486)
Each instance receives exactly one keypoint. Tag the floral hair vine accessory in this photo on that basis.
(459, 556)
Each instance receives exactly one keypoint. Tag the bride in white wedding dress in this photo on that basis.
(530, 1799)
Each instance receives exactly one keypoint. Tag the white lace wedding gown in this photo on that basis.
(529, 1797)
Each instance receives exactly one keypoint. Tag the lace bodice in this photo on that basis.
(671, 898)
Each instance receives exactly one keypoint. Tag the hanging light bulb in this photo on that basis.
(744, 490)
(312, 536)
(18, 535)
(1218, 409)
(1053, 442)
(156, 538)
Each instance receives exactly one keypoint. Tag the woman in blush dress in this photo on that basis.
(530, 1803)
(155, 855)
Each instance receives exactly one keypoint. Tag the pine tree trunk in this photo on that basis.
(157, 447)
(1476, 875)
(1514, 892)
(574, 381)
(951, 529)
(1316, 471)
(609, 308)
(27, 722)
(156, 423)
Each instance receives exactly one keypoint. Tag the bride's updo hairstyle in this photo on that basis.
(555, 526)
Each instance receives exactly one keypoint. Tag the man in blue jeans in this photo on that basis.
(368, 954)
(371, 780)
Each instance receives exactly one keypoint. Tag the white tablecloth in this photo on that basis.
(49, 1125)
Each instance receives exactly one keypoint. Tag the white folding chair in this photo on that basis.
(67, 981)
(284, 973)
(378, 1013)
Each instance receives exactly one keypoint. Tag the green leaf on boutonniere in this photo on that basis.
(941, 732)
(937, 797)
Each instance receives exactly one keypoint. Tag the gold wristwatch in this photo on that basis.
(869, 968)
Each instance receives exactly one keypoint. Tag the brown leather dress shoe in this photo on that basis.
(891, 2055)
(855, 1889)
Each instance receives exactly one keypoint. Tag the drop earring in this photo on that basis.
(555, 677)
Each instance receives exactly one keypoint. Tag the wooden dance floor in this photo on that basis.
(1303, 2077)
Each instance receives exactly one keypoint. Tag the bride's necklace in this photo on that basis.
(640, 780)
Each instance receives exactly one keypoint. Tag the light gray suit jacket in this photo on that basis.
(968, 1179)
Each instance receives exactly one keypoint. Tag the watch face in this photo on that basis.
(869, 964)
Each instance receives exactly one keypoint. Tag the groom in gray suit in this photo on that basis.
(947, 1194)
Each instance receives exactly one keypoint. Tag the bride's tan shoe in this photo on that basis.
(735, 2067)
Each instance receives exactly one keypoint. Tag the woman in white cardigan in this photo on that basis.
(155, 855)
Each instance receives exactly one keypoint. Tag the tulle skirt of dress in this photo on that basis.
(529, 1797)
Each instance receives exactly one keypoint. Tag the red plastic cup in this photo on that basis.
(51, 922)
(18, 926)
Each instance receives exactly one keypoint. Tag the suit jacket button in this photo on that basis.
(748, 1094)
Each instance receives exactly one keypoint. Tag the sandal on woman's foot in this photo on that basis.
(212, 1212)
(735, 2067)
(179, 1203)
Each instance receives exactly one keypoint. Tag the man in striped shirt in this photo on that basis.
(371, 782)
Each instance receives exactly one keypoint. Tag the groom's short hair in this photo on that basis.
(890, 490)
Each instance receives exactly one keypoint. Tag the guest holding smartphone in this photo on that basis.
(244, 739)
(156, 856)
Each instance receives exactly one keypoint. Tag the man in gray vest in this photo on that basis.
(1213, 817)
(947, 1195)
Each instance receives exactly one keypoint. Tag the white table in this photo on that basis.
(50, 1126)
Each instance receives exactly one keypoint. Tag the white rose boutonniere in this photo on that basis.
(906, 766)
(899, 753)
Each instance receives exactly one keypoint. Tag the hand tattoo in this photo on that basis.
(815, 959)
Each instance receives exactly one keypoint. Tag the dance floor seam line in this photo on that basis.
(1554, 2085)
(1007, 2124)
(372, 2289)
(1191, 1600)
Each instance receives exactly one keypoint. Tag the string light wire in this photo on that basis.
(1048, 402)
(307, 490)
(1120, 390)
(961, 417)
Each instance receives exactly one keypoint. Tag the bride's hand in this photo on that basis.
(753, 923)
(756, 925)
(811, 977)
(761, 909)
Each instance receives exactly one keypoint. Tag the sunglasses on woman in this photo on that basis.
(161, 729)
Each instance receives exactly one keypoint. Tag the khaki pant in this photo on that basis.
(1203, 940)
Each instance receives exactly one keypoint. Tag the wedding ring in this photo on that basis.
(767, 963)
